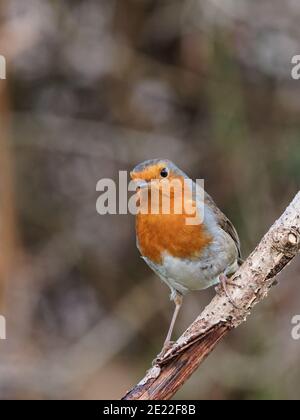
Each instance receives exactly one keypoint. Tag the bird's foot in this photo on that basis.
(224, 282)
(163, 352)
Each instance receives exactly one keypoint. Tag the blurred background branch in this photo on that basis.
(8, 231)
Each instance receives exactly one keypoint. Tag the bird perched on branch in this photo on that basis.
(186, 256)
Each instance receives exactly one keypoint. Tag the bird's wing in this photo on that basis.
(224, 222)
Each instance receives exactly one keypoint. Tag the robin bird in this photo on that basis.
(185, 256)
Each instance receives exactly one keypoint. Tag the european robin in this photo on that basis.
(185, 256)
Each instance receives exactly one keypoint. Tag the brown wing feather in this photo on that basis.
(224, 222)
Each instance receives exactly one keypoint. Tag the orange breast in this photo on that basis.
(158, 233)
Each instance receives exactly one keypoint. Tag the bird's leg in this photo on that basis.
(224, 282)
(178, 302)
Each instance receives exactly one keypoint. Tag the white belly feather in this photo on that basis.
(185, 275)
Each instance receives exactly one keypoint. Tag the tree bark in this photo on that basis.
(253, 281)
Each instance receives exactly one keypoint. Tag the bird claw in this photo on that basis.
(163, 352)
(223, 288)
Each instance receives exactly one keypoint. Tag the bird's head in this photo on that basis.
(164, 177)
(156, 170)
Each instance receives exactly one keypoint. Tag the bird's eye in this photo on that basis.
(164, 173)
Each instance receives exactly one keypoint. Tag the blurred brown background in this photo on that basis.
(94, 87)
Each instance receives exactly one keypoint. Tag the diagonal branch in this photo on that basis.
(254, 280)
